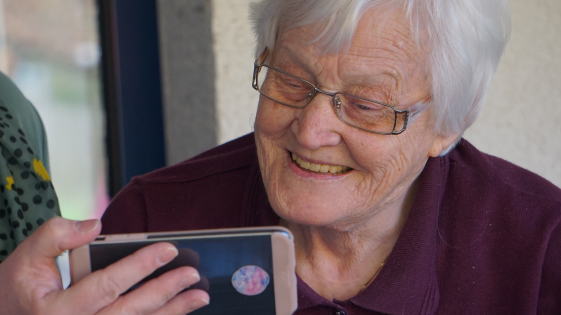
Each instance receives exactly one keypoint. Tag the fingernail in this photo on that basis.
(190, 280)
(198, 304)
(166, 256)
(86, 226)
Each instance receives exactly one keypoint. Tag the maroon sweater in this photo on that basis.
(482, 237)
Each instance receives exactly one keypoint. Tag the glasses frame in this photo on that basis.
(411, 113)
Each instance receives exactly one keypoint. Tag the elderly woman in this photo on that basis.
(357, 149)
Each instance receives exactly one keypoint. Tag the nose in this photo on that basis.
(317, 125)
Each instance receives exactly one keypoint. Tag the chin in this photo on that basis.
(306, 199)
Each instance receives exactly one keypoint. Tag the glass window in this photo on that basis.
(50, 48)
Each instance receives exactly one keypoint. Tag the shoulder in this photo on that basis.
(499, 176)
(24, 165)
(9, 89)
(13, 101)
(234, 155)
(504, 220)
(205, 191)
(489, 197)
(21, 116)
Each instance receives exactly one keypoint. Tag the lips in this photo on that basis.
(319, 168)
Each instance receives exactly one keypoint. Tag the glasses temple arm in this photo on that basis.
(415, 111)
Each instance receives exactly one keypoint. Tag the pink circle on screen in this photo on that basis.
(250, 280)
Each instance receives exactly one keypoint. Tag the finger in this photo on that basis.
(155, 293)
(104, 286)
(184, 303)
(58, 235)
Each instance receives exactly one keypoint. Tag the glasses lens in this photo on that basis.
(284, 89)
(365, 114)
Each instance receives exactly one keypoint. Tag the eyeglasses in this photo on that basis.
(364, 114)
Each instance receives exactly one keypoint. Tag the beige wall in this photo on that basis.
(236, 101)
(522, 119)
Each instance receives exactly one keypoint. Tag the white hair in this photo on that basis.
(466, 39)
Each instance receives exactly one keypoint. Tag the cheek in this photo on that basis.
(384, 171)
(387, 162)
(407, 155)
(271, 126)
(272, 163)
(273, 119)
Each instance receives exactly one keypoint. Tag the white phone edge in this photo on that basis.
(80, 265)
(286, 297)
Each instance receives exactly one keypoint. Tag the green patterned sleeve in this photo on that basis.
(27, 196)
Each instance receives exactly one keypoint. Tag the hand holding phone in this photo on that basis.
(246, 270)
(31, 282)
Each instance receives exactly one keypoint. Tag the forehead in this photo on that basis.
(382, 44)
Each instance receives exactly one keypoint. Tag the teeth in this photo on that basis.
(314, 167)
(332, 169)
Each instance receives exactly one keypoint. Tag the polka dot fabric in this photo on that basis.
(27, 196)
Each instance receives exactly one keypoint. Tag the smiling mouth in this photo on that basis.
(319, 168)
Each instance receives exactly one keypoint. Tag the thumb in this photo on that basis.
(59, 234)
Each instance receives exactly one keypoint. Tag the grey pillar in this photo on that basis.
(188, 77)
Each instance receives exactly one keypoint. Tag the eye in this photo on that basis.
(363, 107)
(367, 106)
(293, 83)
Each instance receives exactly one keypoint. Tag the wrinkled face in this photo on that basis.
(369, 172)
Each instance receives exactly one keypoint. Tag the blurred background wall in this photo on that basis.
(521, 121)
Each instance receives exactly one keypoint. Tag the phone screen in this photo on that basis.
(226, 262)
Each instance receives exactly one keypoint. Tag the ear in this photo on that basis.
(440, 143)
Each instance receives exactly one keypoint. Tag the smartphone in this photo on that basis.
(244, 270)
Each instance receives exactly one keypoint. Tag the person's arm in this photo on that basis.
(28, 195)
(30, 281)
